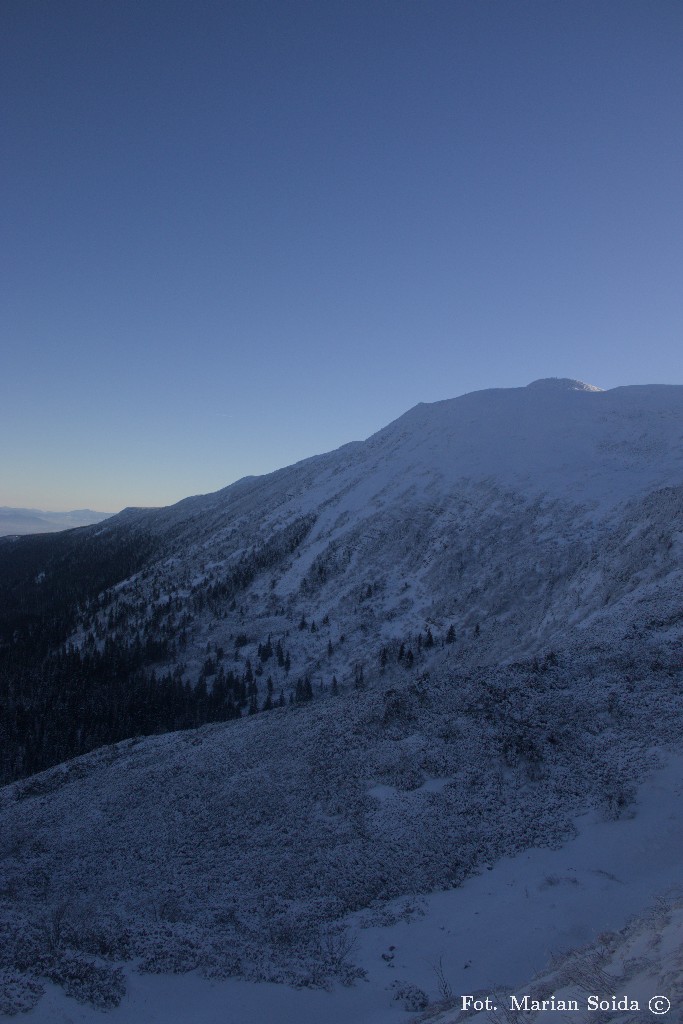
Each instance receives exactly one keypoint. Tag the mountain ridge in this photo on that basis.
(446, 474)
(653, 401)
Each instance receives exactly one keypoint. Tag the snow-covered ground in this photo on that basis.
(490, 935)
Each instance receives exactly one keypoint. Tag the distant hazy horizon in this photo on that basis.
(22, 521)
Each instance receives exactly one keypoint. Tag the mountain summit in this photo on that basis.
(562, 384)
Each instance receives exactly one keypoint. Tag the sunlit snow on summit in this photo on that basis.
(562, 384)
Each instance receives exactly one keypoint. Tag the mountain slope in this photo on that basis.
(490, 509)
(493, 522)
(464, 631)
(241, 849)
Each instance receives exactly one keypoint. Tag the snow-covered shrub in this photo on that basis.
(617, 797)
(87, 980)
(413, 998)
(18, 993)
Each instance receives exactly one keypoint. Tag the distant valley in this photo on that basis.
(21, 521)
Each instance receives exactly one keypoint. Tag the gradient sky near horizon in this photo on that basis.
(236, 234)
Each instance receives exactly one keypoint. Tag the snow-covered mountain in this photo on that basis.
(466, 632)
(507, 515)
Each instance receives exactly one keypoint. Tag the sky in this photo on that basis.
(236, 234)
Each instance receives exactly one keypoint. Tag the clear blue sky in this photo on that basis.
(235, 234)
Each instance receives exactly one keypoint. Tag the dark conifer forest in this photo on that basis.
(58, 700)
(79, 670)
